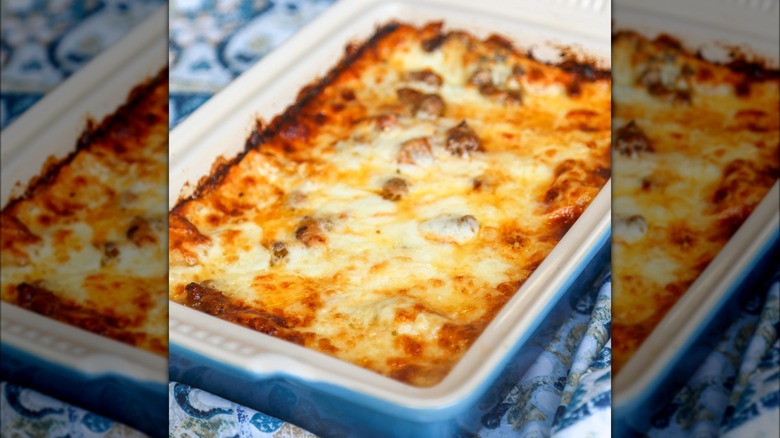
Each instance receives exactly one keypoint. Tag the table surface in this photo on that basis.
(566, 392)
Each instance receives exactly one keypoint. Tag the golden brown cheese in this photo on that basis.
(388, 216)
(695, 150)
(86, 244)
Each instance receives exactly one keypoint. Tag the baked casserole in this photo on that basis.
(388, 215)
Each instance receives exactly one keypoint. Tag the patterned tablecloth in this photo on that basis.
(566, 392)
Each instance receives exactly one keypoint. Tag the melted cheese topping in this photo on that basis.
(696, 149)
(389, 215)
(86, 244)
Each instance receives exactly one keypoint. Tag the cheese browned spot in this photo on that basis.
(85, 244)
(391, 234)
(696, 149)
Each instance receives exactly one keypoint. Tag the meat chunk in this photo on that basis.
(206, 299)
(386, 122)
(666, 81)
(310, 232)
(38, 299)
(518, 71)
(110, 252)
(394, 189)
(450, 228)
(278, 253)
(415, 151)
(416, 102)
(481, 77)
(462, 141)
(141, 232)
(631, 141)
(409, 96)
(652, 81)
(434, 42)
(431, 104)
(503, 96)
(426, 76)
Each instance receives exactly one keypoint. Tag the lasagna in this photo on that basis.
(389, 214)
(86, 242)
(695, 150)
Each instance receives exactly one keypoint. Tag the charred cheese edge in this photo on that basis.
(86, 244)
(389, 214)
(695, 150)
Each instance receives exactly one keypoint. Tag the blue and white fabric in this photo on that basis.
(42, 42)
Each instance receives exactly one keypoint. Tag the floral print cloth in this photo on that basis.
(736, 390)
(45, 41)
(25, 413)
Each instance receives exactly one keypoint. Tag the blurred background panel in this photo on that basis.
(43, 44)
(696, 118)
(566, 392)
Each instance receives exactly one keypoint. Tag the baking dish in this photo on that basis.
(97, 373)
(318, 392)
(689, 331)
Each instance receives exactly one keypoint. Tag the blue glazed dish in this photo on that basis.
(633, 417)
(139, 404)
(693, 327)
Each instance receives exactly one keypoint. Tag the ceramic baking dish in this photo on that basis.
(690, 330)
(316, 391)
(97, 373)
